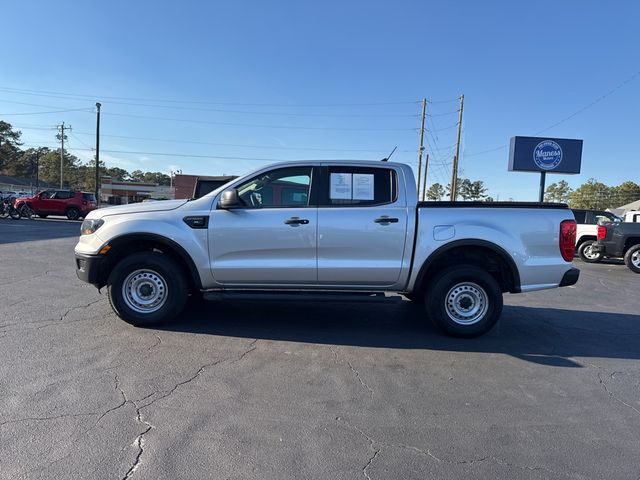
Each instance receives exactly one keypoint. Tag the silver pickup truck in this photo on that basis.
(323, 227)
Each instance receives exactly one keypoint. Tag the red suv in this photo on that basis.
(61, 202)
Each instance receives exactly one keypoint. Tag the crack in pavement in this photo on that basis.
(61, 321)
(139, 441)
(610, 393)
(52, 321)
(353, 370)
(376, 447)
(155, 344)
(612, 375)
(43, 419)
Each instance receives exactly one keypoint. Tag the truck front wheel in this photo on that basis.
(464, 301)
(147, 288)
(632, 258)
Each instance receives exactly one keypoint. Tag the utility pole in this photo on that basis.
(37, 170)
(61, 135)
(454, 174)
(424, 181)
(98, 105)
(421, 147)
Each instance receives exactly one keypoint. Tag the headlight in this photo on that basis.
(90, 226)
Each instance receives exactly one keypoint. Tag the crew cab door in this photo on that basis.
(271, 239)
(362, 226)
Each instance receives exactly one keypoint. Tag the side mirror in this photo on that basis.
(229, 199)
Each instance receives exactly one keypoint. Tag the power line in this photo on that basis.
(577, 112)
(221, 110)
(53, 111)
(203, 102)
(232, 124)
(220, 157)
(195, 142)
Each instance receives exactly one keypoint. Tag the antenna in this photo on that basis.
(386, 159)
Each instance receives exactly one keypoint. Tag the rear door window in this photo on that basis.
(62, 195)
(359, 186)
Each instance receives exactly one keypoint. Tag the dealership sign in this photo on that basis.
(553, 155)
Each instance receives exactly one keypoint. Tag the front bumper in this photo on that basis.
(570, 277)
(89, 269)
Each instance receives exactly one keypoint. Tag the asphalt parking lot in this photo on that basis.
(316, 390)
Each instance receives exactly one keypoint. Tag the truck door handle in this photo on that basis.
(385, 219)
(296, 221)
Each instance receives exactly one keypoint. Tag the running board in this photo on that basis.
(378, 297)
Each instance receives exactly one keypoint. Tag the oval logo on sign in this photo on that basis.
(547, 155)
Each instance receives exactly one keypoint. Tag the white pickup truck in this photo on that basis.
(322, 227)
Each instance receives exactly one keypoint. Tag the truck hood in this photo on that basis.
(159, 206)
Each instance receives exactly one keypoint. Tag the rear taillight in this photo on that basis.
(567, 239)
(602, 232)
(84, 202)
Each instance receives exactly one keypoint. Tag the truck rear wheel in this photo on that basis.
(147, 288)
(464, 301)
(632, 258)
(586, 253)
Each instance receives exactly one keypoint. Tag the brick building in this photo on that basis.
(115, 192)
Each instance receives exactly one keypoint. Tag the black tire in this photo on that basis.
(151, 274)
(73, 213)
(26, 211)
(464, 301)
(43, 215)
(585, 253)
(14, 214)
(632, 258)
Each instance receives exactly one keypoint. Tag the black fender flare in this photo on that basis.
(162, 241)
(501, 252)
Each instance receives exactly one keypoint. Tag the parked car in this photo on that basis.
(74, 205)
(632, 216)
(323, 227)
(621, 240)
(587, 231)
(9, 194)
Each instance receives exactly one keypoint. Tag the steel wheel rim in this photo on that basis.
(635, 258)
(466, 303)
(144, 291)
(589, 253)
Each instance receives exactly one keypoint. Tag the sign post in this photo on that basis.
(553, 155)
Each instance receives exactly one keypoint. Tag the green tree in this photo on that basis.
(136, 176)
(458, 185)
(558, 192)
(435, 192)
(117, 173)
(624, 193)
(592, 194)
(72, 173)
(470, 190)
(157, 177)
(9, 144)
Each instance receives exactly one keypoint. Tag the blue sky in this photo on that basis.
(251, 81)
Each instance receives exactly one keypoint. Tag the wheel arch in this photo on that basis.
(124, 245)
(476, 252)
(585, 238)
(630, 242)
